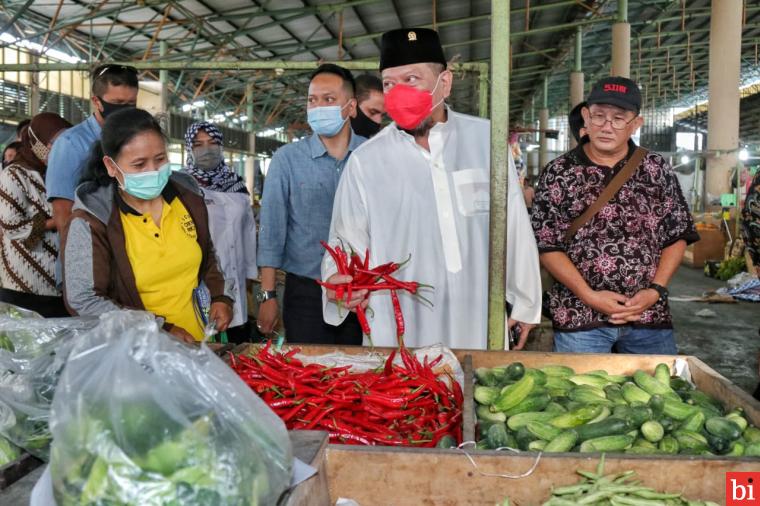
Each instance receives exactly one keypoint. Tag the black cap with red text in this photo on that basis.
(618, 91)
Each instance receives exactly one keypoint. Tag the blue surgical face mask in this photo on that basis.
(145, 185)
(326, 120)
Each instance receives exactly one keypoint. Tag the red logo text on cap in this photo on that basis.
(617, 88)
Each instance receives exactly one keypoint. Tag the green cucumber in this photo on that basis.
(589, 379)
(555, 407)
(632, 393)
(514, 394)
(485, 414)
(737, 450)
(524, 438)
(539, 377)
(723, 428)
(534, 402)
(680, 384)
(515, 371)
(642, 442)
(669, 444)
(521, 420)
(688, 440)
(738, 420)
(609, 427)
(537, 446)
(718, 444)
(657, 405)
(446, 441)
(564, 442)
(700, 398)
(558, 371)
(752, 450)
(639, 414)
(615, 394)
(662, 374)
(486, 377)
(678, 410)
(652, 431)
(589, 395)
(558, 383)
(607, 444)
(543, 430)
(752, 434)
(486, 395)
(651, 385)
(497, 436)
(576, 417)
(695, 422)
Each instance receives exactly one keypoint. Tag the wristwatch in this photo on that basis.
(661, 290)
(265, 295)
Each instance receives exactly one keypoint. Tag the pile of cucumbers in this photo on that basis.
(553, 409)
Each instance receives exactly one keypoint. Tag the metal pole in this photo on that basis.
(578, 64)
(497, 254)
(163, 77)
(622, 12)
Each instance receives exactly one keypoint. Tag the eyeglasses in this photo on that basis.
(598, 119)
(110, 68)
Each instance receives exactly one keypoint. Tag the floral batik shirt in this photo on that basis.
(751, 220)
(619, 249)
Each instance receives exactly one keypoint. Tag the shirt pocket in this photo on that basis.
(472, 188)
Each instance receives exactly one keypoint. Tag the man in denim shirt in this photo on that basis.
(297, 208)
(114, 87)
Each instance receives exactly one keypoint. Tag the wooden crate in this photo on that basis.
(14, 471)
(382, 476)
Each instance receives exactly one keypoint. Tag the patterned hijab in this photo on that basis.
(221, 178)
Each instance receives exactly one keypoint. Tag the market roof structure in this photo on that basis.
(669, 44)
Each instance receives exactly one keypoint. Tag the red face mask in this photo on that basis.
(408, 106)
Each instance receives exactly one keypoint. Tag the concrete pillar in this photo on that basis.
(543, 124)
(723, 107)
(532, 161)
(621, 42)
(576, 79)
(163, 77)
(250, 159)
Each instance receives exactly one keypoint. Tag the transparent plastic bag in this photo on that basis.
(140, 418)
(29, 374)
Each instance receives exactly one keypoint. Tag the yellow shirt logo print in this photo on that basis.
(188, 225)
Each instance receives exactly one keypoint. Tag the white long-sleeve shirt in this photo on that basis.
(233, 231)
(396, 199)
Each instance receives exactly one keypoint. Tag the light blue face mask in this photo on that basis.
(326, 120)
(145, 185)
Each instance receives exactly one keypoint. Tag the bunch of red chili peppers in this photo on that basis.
(364, 278)
(398, 405)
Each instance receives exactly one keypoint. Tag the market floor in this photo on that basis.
(728, 342)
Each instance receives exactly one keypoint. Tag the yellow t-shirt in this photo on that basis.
(165, 261)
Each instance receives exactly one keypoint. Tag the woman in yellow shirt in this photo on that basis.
(139, 237)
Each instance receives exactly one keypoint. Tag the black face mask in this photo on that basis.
(109, 108)
(364, 126)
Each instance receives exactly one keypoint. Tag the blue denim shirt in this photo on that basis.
(297, 204)
(67, 159)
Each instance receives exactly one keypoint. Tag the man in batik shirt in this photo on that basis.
(613, 272)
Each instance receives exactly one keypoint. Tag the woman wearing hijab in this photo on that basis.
(29, 245)
(233, 229)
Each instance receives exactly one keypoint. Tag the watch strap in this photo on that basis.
(659, 289)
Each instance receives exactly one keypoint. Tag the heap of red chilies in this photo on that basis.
(407, 405)
(364, 278)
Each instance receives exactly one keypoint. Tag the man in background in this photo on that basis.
(369, 114)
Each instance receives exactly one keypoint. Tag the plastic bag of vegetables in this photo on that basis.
(140, 418)
(26, 336)
(29, 375)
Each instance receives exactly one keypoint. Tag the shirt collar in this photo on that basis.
(169, 194)
(92, 122)
(318, 149)
(585, 160)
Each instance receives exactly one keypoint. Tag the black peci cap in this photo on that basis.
(406, 46)
(618, 91)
